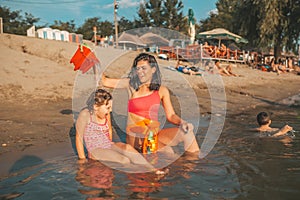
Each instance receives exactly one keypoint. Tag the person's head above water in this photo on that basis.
(263, 118)
(145, 70)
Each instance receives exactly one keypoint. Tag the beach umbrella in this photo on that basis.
(221, 34)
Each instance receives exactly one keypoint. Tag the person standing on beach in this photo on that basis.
(145, 96)
(93, 127)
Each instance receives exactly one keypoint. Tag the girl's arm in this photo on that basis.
(110, 126)
(114, 83)
(80, 127)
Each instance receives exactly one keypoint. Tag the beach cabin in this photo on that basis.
(56, 34)
(72, 37)
(64, 36)
(45, 33)
(31, 32)
(79, 38)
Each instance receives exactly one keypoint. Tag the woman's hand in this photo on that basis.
(186, 127)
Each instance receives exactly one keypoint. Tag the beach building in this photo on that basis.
(45, 33)
(77, 38)
(31, 32)
(129, 41)
(56, 34)
(64, 36)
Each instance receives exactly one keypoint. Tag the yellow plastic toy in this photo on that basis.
(149, 129)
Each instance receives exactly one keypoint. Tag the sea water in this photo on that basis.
(242, 165)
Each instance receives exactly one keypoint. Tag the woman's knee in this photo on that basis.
(124, 160)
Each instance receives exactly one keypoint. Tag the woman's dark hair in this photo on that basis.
(134, 79)
(99, 97)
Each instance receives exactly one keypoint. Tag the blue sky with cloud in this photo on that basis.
(78, 10)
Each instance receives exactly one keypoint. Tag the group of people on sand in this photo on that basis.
(146, 94)
(270, 64)
(210, 67)
(214, 51)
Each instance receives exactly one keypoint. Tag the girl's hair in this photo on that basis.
(99, 97)
(156, 77)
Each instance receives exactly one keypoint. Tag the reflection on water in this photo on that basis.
(241, 166)
(97, 179)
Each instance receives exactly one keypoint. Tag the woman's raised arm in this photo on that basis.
(114, 83)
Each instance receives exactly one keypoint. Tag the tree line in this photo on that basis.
(265, 24)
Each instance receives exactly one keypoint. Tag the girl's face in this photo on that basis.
(144, 71)
(103, 110)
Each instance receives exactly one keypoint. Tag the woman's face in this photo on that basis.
(144, 71)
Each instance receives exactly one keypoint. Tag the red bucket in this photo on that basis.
(84, 59)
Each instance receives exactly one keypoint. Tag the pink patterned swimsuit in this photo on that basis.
(96, 135)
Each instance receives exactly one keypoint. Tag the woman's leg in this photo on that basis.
(132, 154)
(229, 70)
(173, 136)
(109, 155)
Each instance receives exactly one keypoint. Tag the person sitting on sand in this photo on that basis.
(278, 67)
(225, 71)
(187, 70)
(93, 127)
(264, 122)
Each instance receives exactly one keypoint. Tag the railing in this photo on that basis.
(199, 53)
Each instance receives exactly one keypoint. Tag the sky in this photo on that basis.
(79, 11)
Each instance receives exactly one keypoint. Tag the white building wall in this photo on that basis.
(31, 31)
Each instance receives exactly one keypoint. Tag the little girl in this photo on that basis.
(93, 127)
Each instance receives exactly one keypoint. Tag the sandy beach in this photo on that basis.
(37, 82)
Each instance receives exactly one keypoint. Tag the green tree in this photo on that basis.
(163, 14)
(125, 24)
(223, 18)
(266, 24)
(143, 19)
(87, 28)
(106, 28)
(276, 24)
(14, 22)
(66, 26)
(173, 16)
(30, 20)
(247, 15)
(155, 10)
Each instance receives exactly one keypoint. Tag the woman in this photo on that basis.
(145, 95)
